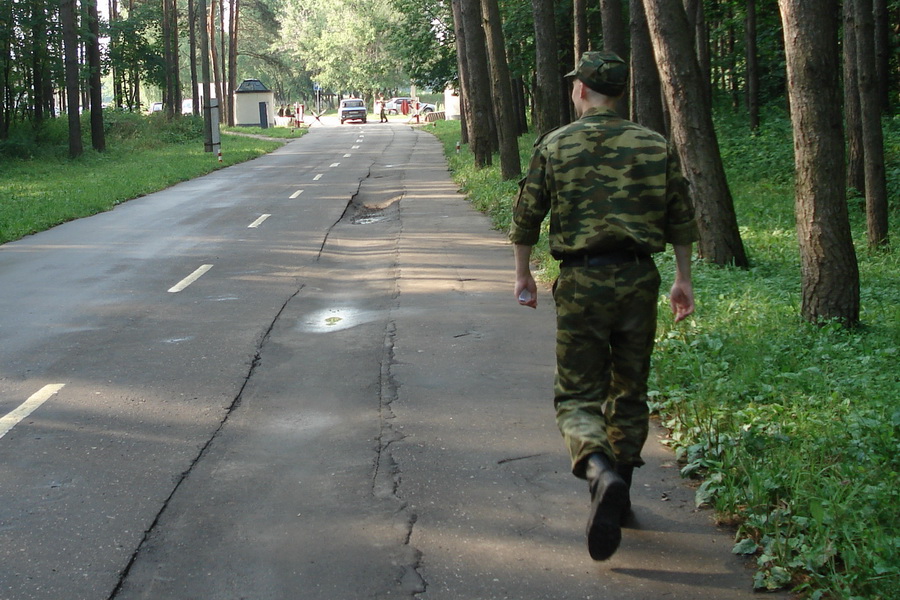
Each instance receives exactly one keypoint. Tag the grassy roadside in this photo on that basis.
(40, 187)
(791, 431)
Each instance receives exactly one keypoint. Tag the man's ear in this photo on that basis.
(582, 89)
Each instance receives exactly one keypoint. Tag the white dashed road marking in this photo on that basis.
(295, 194)
(28, 407)
(189, 279)
(259, 221)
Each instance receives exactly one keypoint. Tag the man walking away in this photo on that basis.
(615, 195)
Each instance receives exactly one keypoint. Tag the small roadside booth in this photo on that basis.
(254, 105)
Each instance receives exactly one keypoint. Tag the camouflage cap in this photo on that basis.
(603, 72)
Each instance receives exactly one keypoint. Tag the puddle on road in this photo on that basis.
(335, 319)
(368, 220)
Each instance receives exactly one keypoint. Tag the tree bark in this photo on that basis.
(204, 79)
(580, 39)
(873, 136)
(752, 66)
(615, 40)
(5, 60)
(232, 56)
(168, 59)
(547, 97)
(465, 107)
(70, 63)
(883, 53)
(225, 102)
(192, 57)
(521, 102)
(694, 134)
(829, 271)
(510, 164)
(856, 174)
(697, 20)
(646, 91)
(98, 139)
(38, 59)
(482, 126)
(214, 56)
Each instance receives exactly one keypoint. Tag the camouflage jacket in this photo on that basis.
(608, 184)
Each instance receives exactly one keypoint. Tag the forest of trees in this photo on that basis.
(833, 64)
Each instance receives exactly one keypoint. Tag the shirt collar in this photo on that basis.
(599, 111)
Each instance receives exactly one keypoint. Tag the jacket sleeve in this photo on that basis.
(531, 204)
(681, 225)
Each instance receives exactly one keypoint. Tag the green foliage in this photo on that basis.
(41, 187)
(136, 44)
(343, 43)
(424, 43)
(793, 429)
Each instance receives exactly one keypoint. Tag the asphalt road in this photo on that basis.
(304, 377)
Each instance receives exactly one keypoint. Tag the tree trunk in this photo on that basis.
(856, 174)
(480, 130)
(510, 165)
(192, 52)
(615, 40)
(208, 145)
(547, 97)
(829, 272)
(581, 41)
(883, 53)
(98, 139)
(214, 57)
(5, 61)
(465, 107)
(752, 66)
(70, 63)
(873, 136)
(694, 134)
(646, 92)
(222, 77)
(38, 59)
(135, 75)
(232, 57)
(700, 39)
(518, 87)
(166, 25)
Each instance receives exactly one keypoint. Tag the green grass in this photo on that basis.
(285, 133)
(40, 187)
(792, 431)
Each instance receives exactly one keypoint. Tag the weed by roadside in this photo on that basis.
(793, 429)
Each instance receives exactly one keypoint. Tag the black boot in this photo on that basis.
(626, 472)
(609, 496)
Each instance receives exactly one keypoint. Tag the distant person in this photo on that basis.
(616, 196)
(382, 111)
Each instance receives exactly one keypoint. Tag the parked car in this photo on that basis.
(394, 106)
(352, 109)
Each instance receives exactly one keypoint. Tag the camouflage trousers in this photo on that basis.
(606, 325)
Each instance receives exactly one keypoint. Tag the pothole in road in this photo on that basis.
(366, 210)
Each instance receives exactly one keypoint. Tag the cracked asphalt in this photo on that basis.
(345, 402)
